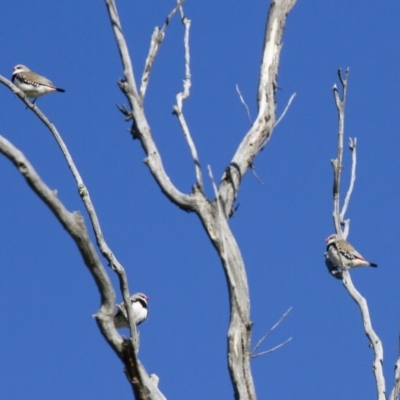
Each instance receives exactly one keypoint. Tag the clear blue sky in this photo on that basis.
(50, 346)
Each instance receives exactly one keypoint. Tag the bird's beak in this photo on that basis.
(326, 240)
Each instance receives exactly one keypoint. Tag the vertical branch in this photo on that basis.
(338, 219)
(337, 162)
(346, 223)
(155, 43)
(180, 97)
(396, 387)
(215, 220)
(373, 338)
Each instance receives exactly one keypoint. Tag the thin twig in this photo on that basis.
(244, 104)
(180, 97)
(285, 110)
(253, 170)
(283, 316)
(157, 38)
(271, 350)
(353, 149)
(280, 118)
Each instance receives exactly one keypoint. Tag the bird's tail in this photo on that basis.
(373, 265)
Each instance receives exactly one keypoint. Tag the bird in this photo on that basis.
(342, 254)
(139, 307)
(31, 83)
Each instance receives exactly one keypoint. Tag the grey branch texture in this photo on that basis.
(214, 214)
(338, 218)
(127, 352)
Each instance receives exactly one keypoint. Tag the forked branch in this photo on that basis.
(339, 220)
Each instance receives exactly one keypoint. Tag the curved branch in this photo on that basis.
(180, 97)
(73, 223)
(373, 338)
(141, 128)
(261, 130)
(84, 193)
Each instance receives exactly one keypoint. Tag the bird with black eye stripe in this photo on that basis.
(139, 308)
(31, 83)
(342, 254)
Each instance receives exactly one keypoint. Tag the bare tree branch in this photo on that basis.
(84, 193)
(396, 387)
(244, 104)
(74, 224)
(262, 128)
(180, 97)
(259, 343)
(141, 128)
(155, 43)
(338, 219)
(337, 162)
(285, 110)
(145, 388)
(373, 338)
(353, 149)
(128, 355)
(272, 349)
(214, 214)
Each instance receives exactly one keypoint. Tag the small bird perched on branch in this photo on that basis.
(32, 84)
(139, 307)
(343, 254)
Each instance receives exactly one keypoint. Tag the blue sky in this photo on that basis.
(51, 346)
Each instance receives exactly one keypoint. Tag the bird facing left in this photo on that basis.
(31, 83)
(139, 308)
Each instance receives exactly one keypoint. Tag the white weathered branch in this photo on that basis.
(337, 162)
(141, 128)
(155, 43)
(178, 108)
(271, 350)
(244, 104)
(73, 223)
(214, 215)
(259, 343)
(339, 220)
(373, 338)
(127, 353)
(84, 193)
(261, 130)
(396, 387)
(353, 149)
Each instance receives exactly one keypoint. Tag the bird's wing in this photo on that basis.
(349, 248)
(32, 76)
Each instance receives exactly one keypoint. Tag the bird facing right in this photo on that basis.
(31, 83)
(139, 308)
(342, 254)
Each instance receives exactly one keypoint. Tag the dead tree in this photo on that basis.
(342, 227)
(213, 213)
